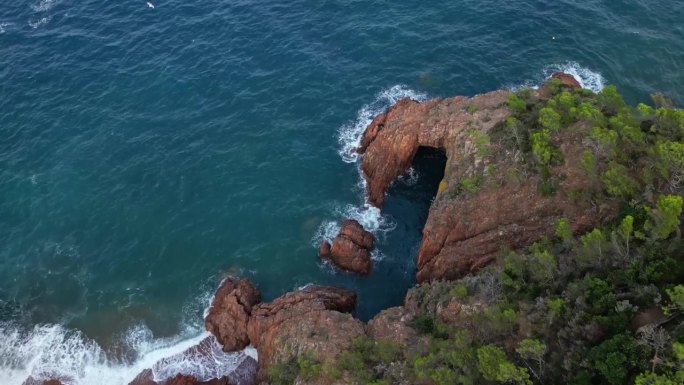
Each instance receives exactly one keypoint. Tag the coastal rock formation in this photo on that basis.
(351, 249)
(208, 355)
(229, 313)
(146, 378)
(466, 229)
(566, 79)
(394, 324)
(312, 320)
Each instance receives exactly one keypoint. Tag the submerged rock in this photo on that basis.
(313, 320)
(351, 249)
(229, 313)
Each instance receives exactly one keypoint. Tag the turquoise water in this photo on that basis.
(145, 152)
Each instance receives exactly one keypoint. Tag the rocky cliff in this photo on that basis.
(489, 199)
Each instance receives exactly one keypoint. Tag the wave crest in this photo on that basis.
(53, 351)
(587, 78)
(349, 135)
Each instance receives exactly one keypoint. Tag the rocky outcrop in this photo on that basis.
(229, 313)
(466, 229)
(313, 320)
(145, 378)
(394, 324)
(391, 141)
(566, 79)
(208, 355)
(351, 249)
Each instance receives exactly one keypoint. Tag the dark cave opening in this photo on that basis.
(407, 205)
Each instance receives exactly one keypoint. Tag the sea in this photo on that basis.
(149, 149)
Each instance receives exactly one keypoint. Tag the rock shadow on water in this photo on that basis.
(407, 204)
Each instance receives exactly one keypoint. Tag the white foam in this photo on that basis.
(410, 177)
(349, 137)
(587, 78)
(43, 5)
(369, 216)
(37, 23)
(52, 351)
(350, 134)
(3, 27)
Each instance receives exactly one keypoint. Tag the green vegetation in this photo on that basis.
(571, 309)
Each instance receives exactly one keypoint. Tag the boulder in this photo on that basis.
(229, 313)
(208, 355)
(351, 249)
(566, 79)
(313, 320)
(353, 230)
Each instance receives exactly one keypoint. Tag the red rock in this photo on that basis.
(351, 249)
(189, 380)
(394, 324)
(347, 255)
(144, 378)
(33, 381)
(229, 313)
(203, 354)
(354, 231)
(311, 320)
(466, 231)
(324, 249)
(567, 79)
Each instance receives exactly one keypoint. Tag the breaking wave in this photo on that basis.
(349, 138)
(56, 352)
(349, 135)
(587, 78)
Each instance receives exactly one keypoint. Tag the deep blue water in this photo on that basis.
(145, 152)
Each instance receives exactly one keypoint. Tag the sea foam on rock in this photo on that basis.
(229, 312)
(351, 248)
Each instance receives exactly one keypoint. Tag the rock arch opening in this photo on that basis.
(409, 197)
(406, 205)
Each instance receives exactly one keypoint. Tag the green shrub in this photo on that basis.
(610, 101)
(542, 148)
(481, 141)
(664, 218)
(459, 291)
(494, 366)
(563, 229)
(516, 104)
(618, 182)
(283, 373)
(424, 324)
(549, 119)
